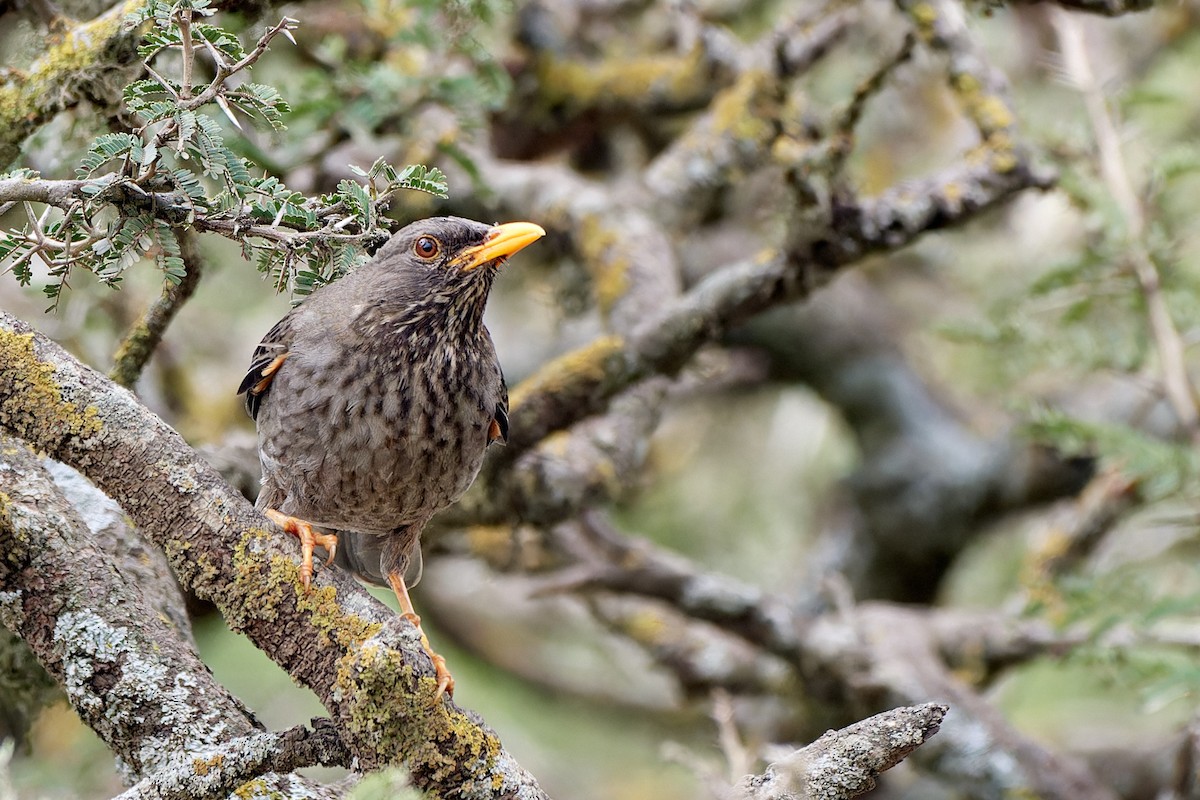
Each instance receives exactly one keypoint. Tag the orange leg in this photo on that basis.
(308, 540)
(445, 682)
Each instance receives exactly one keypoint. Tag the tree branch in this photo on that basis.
(90, 54)
(582, 382)
(1107, 8)
(219, 771)
(144, 337)
(846, 762)
(129, 675)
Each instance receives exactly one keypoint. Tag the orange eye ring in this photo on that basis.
(427, 247)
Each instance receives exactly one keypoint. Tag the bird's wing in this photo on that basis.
(498, 430)
(268, 357)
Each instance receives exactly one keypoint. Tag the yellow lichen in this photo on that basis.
(407, 726)
(621, 80)
(330, 619)
(26, 96)
(967, 85)
(492, 543)
(645, 627)
(992, 113)
(34, 400)
(555, 444)
(601, 248)
(925, 16)
(746, 110)
(202, 766)
(588, 363)
(257, 789)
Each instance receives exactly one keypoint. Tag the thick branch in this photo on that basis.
(363, 662)
(219, 771)
(130, 675)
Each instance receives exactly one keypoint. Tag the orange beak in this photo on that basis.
(501, 242)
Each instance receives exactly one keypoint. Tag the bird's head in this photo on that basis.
(437, 272)
(448, 263)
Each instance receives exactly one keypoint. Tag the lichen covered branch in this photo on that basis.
(220, 771)
(845, 763)
(129, 674)
(87, 55)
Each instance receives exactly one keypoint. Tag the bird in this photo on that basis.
(376, 398)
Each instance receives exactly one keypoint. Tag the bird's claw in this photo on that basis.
(445, 681)
(309, 540)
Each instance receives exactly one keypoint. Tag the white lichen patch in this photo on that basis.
(97, 509)
(184, 722)
(140, 690)
(12, 610)
(183, 480)
(81, 638)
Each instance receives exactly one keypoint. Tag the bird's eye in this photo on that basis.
(427, 247)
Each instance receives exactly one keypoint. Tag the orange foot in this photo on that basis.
(445, 681)
(308, 540)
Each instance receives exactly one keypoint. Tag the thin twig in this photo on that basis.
(185, 37)
(1171, 351)
(842, 140)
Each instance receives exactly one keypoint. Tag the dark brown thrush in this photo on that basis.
(376, 398)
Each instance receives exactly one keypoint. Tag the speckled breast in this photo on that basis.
(378, 442)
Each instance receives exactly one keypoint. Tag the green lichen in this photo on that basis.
(263, 585)
(331, 620)
(31, 400)
(133, 354)
(394, 716)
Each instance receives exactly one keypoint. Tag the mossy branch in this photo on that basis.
(92, 53)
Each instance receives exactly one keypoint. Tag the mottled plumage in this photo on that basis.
(376, 398)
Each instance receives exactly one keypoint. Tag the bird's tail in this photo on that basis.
(362, 554)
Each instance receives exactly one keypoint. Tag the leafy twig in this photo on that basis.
(1171, 352)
